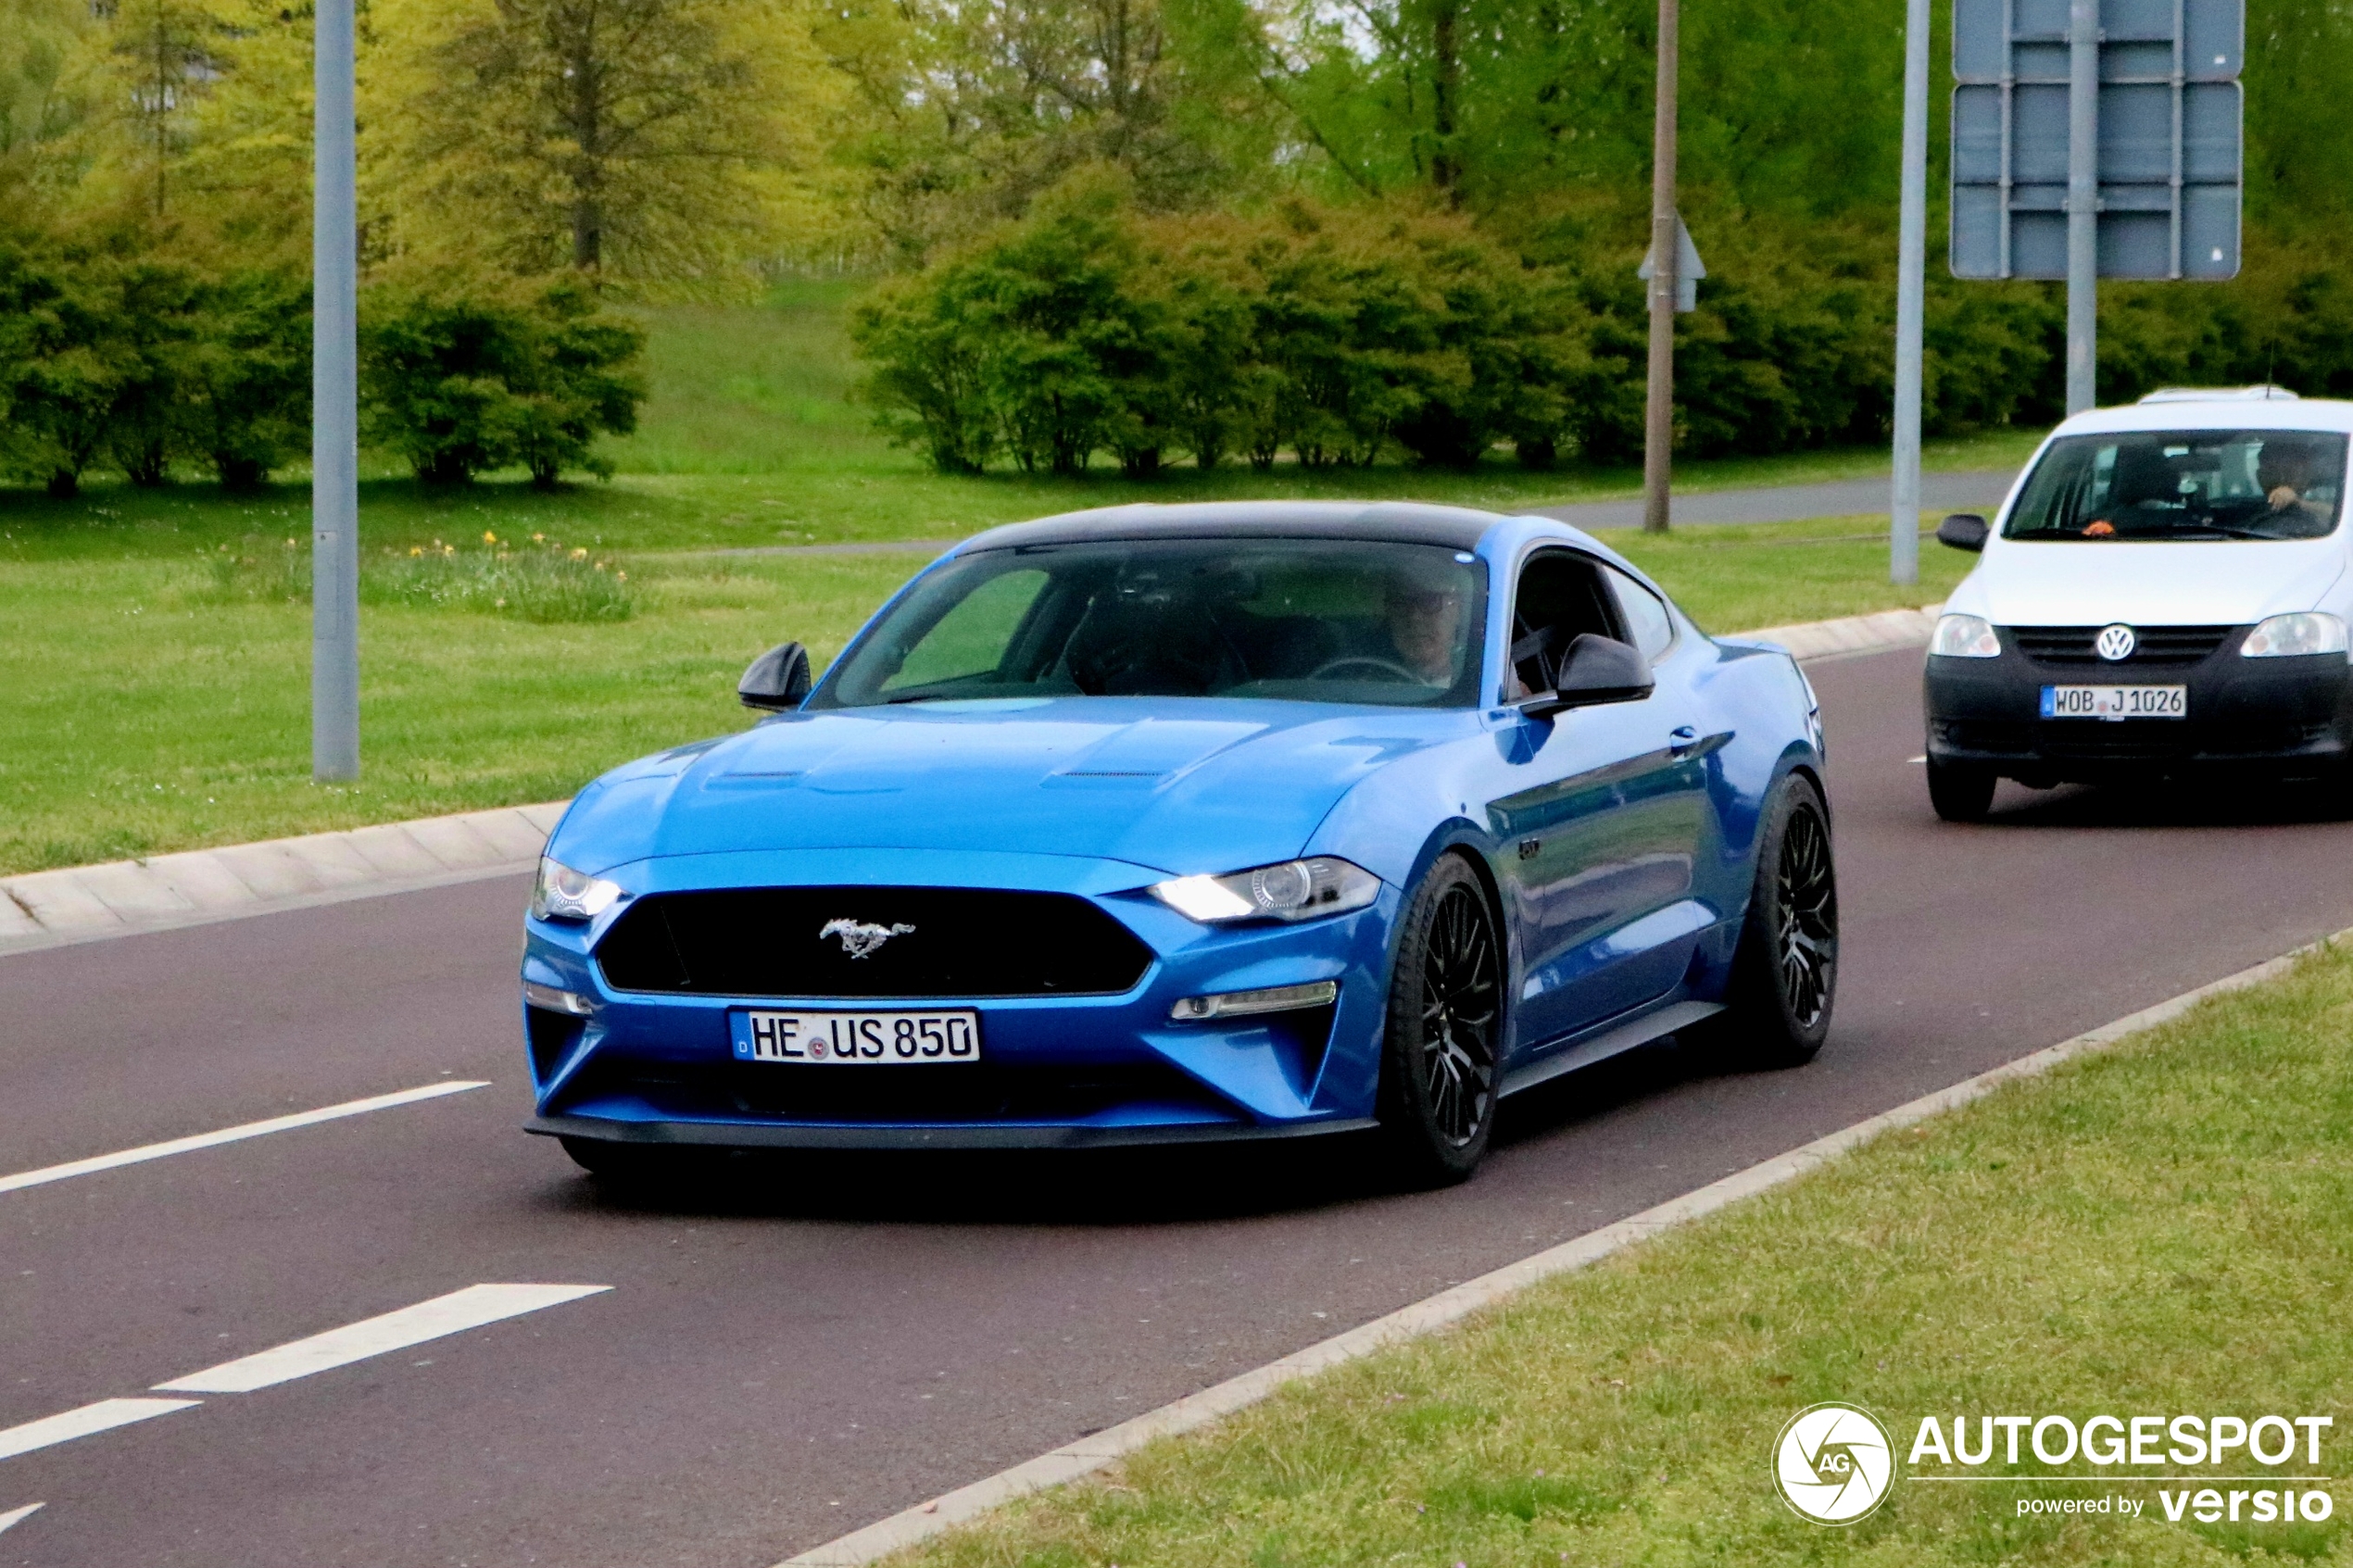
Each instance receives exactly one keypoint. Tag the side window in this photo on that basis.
(1648, 625)
(1561, 598)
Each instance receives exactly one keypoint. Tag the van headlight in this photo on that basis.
(1965, 637)
(2293, 636)
(564, 893)
(1288, 890)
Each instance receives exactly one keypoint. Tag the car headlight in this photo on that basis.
(1965, 637)
(564, 893)
(1291, 890)
(2292, 636)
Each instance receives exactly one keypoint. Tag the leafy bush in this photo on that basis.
(248, 377)
(1333, 333)
(463, 378)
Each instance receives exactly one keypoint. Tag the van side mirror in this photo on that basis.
(777, 679)
(1963, 531)
(1598, 670)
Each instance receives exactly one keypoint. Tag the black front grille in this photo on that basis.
(2153, 646)
(941, 942)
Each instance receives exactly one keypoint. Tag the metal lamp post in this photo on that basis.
(334, 409)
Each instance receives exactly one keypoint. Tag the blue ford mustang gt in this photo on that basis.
(1193, 823)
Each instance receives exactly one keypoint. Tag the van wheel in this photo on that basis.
(1959, 793)
(1440, 1052)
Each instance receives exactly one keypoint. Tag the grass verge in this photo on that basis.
(2164, 1227)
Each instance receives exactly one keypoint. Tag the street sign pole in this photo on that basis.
(1658, 425)
(2082, 200)
(334, 417)
(1904, 511)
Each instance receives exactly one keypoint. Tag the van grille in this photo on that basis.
(2153, 645)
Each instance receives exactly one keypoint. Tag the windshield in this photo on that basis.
(2185, 484)
(1306, 619)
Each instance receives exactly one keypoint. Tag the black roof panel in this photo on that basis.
(1400, 522)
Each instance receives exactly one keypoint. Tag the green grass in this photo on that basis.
(153, 691)
(144, 712)
(2167, 1227)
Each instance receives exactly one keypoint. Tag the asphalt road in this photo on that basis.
(824, 1342)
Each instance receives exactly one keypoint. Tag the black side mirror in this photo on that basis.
(777, 679)
(1963, 531)
(1597, 670)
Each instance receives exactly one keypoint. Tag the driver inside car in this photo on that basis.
(1424, 621)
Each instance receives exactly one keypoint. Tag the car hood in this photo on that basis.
(2203, 582)
(1175, 787)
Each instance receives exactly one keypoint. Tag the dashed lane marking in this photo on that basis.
(145, 1152)
(453, 1313)
(460, 1309)
(18, 1515)
(65, 1425)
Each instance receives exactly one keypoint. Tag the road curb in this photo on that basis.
(1450, 1306)
(42, 909)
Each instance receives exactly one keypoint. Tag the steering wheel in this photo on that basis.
(1386, 667)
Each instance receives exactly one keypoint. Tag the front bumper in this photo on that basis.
(1056, 1071)
(2280, 717)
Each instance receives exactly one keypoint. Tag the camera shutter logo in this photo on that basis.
(2114, 643)
(1834, 1463)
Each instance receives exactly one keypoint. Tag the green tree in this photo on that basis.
(639, 140)
(465, 379)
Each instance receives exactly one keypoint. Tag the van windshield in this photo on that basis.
(2184, 485)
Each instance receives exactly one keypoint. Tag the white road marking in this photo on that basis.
(233, 1135)
(18, 1515)
(460, 1309)
(1916, 759)
(63, 1427)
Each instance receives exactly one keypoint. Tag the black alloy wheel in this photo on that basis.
(1785, 970)
(1805, 892)
(1440, 1057)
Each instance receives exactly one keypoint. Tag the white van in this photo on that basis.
(2164, 592)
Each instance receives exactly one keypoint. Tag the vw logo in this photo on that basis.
(2114, 643)
(1832, 1464)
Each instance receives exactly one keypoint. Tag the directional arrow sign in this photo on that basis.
(1689, 268)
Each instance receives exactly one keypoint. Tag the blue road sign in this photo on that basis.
(2169, 144)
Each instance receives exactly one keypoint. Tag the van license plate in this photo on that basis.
(2116, 702)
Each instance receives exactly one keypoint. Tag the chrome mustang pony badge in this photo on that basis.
(858, 939)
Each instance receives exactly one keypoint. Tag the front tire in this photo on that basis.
(1442, 1050)
(1785, 970)
(1959, 793)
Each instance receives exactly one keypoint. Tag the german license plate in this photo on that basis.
(857, 1040)
(2116, 702)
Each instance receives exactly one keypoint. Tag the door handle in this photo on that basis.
(1683, 738)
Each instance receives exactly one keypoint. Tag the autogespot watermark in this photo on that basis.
(1835, 1464)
